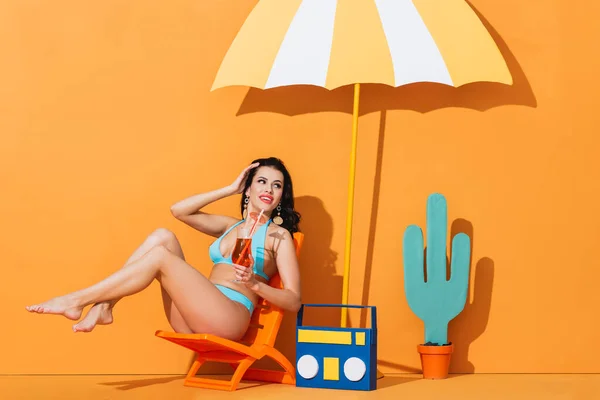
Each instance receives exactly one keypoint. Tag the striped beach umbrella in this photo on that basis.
(334, 43)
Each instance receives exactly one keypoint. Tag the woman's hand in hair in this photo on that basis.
(237, 186)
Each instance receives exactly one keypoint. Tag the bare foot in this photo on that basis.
(62, 305)
(99, 314)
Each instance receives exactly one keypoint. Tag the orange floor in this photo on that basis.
(405, 386)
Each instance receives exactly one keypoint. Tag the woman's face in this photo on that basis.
(266, 189)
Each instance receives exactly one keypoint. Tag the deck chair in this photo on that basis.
(258, 342)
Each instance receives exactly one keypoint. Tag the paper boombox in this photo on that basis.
(336, 358)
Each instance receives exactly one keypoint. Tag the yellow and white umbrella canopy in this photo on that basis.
(333, 43)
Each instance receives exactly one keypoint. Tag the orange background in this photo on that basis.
(106, 119)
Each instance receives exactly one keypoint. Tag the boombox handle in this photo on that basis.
(373, 312)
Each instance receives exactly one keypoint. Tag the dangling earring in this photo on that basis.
(245, 213)
(278, 220)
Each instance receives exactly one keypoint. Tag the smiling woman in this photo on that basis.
(217, 304)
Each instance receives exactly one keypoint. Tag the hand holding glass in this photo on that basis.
(243, 241)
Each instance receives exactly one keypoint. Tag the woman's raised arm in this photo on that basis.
(190, 212)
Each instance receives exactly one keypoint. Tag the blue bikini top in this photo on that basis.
(257, 248)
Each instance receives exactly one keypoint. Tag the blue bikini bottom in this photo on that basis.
(237, 296)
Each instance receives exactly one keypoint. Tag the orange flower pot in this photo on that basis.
(435, 360)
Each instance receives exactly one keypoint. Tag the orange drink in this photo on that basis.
(240, 243)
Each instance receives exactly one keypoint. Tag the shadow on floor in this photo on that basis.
(144, 382)
(401, 367)
(394, 380)
(138, 383)
(385, 382)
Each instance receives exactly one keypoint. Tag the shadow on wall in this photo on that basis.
(419, 97)
(472, 321)
(363, 323)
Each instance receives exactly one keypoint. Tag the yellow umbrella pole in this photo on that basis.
(350, 210)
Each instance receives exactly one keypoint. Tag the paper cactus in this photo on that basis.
(435, 301)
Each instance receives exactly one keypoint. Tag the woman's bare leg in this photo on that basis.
(101, 313)
(202, 306)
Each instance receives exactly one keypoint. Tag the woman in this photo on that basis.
(221, 304)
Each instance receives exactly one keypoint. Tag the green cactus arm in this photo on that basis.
(437, 217)
(459, 273)
(413, 255)
(414, 273)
